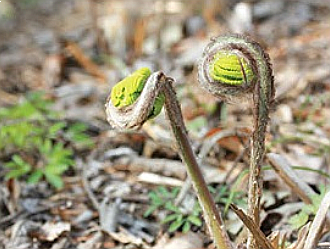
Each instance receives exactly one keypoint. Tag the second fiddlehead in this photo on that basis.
(233, 66)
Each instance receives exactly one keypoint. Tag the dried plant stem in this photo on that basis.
(211, 214)
(318, 223)
(253, 228)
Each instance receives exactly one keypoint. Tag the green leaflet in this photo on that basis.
(229, 68)
(126, 92)
(158, 105)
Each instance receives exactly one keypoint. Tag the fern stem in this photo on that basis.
(211, 214)
(134, 115)
(260, 85)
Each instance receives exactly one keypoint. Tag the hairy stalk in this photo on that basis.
(211, 214)
(250, 73)
(135, 114)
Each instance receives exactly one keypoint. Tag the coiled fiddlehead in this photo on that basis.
(247, 71)
(135, 99)
(132, 101)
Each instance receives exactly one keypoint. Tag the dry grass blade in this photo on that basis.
(253, 228)
(274, 239)
(318, 223)
(286, 173)
(302, 234)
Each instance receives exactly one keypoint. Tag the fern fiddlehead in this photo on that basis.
(132, 102)
(135, 99)
(233, 66)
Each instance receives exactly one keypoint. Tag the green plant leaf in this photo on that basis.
(298, 220)
(150, 210)
(175, 192)
(18, 167)
(230, 69)
(78, 127)
(28, 129)
(186, 227)
(46, 147)
(195, 220)
(125, 92)
(15, 173)
(161, 190)
(212, 190)
(170, 218)
(18, 160)
(55, 128)
(76, 134)
(176, 224)
(54, 180)
(197, 124)
(35, 177)
(196, 210)
(155, 198)
(158, 105)
(56, 169)
(172, 207)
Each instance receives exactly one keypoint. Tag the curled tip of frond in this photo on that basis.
(232, 65)
(135, 99)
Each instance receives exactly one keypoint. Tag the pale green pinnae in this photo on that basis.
(231, 69)
(127, 91)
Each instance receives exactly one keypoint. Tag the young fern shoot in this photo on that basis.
(138, 98)
(235, 66)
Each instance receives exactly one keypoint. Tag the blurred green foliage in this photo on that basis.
(162, 198)
(37, 143)
(178, 217)
(300, 219)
